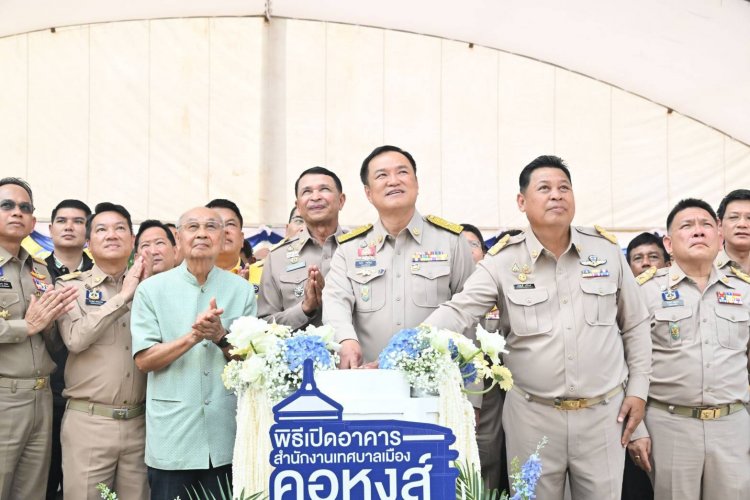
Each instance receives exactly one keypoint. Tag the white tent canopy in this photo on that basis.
(175, 102)
(692, 56)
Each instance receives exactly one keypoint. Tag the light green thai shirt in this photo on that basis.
(190, 415)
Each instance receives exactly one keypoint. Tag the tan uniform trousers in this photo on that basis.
(584, 444)
(25, 442)
(699, 459)
(490, 437)
(99, 449)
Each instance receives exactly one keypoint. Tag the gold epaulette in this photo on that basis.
(740, 274)
(70, 276)
(440, 222)
(277, 245)
(646, 275)
(499, 245)
(354, 233)
(606, 234)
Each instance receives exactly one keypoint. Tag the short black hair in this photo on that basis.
(107, 207)
(291, 214)
(70, 203)
(689, 203)
(171, 225)
(471, 228)
(321, 171)
(224, 203)
(647, 239)
(247, 250)
(364, 170)
(17, 181)
(549, 161)
(148, 224)
(736, 195)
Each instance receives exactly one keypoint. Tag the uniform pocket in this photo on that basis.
(369, 291)
(671, 326)
(599, 302)
(8, 299)
(732, 326)
(529, 311)
(430, 285)
(293, 285)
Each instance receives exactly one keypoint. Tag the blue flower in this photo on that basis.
(302, 347)
(405, 342)
(524, 483)
(469, 373)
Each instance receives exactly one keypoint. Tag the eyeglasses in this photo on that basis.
(25, 207)
(474, 244)
(297, 220)
(211, 226)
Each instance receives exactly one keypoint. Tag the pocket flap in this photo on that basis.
(734, 314)
(595, 287)
(362, 279)
(432, 272)
(296, 276)
(672, 313)
(8, 299)
(528, 297)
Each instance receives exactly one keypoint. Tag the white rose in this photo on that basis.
(252, 369)
(493, 344)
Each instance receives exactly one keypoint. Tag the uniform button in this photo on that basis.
(124, 325)
(398, 323)
(127, 375)
(38, 372)
(127, 347)
(567, 328)
(571, 388)
(398, 275)
(205, 343)
(398, 299)
(705, 320)
(570, 356)
(706, 341)
(203, 290)
(708, 365)
(18, 339)
(205, 373)
(125, 402)
(564, 301)
(206, 402)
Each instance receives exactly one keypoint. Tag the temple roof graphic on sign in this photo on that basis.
(308, 403)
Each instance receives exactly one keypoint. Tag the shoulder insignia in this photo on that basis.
(279, 244)
(440, 222)
(39, 260)
(740, 274)
(354, 233)
(70, 276)
(646, 275)
(606, 234)
(499, 245)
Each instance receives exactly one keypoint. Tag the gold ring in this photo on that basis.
(637, 457)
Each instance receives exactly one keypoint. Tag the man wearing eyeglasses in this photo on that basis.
(28, 310)
(179, 321)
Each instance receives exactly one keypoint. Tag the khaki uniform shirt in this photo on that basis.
(700, 339)
(285, 275)
(378, 284)
(22, 356)
(576, 326)
(100, 365)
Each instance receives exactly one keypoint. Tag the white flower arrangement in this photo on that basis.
(272, 356)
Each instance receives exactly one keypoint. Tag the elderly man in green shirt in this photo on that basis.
(178, 323)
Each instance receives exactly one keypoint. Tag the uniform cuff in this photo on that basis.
(638, 386)
(639, 432)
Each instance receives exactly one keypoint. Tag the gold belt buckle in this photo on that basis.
(568, 404)
(40, 383)
(709, 414)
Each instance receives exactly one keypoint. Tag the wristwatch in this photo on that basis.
(223, 343)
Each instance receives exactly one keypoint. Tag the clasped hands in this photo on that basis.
(208, 325)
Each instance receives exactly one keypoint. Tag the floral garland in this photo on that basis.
(269, 369)
(443, 362)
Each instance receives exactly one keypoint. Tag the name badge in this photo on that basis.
(94, 298)
(5, 284)
(296, 265)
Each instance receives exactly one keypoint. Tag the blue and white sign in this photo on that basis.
(319, 456)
